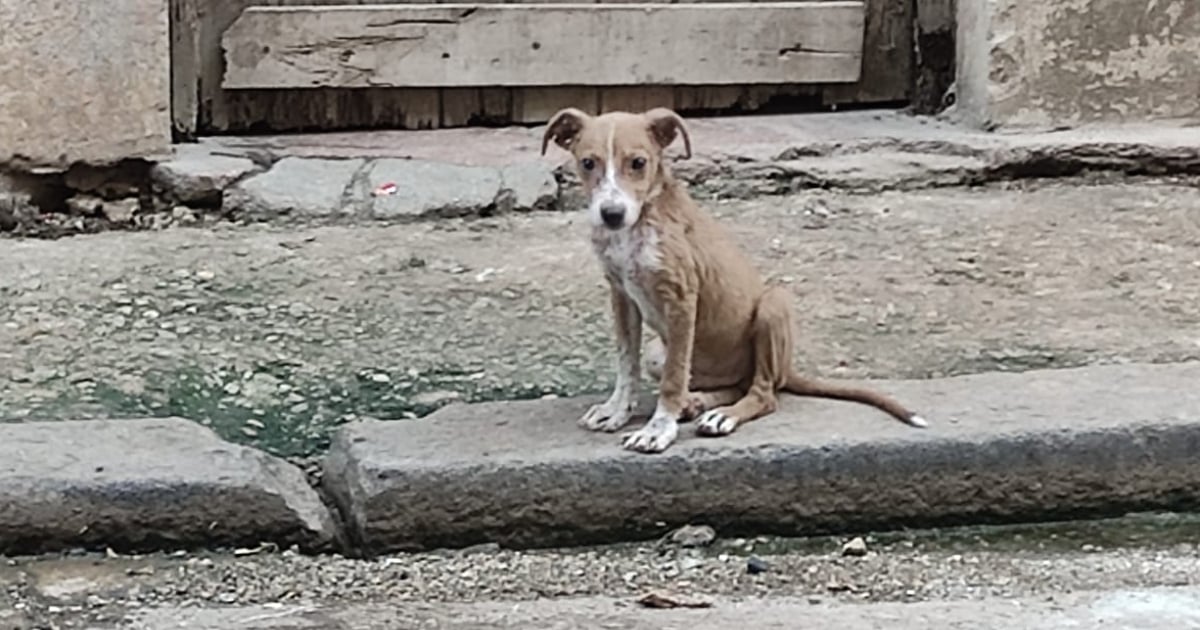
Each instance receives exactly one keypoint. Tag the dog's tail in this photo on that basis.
(802, 386)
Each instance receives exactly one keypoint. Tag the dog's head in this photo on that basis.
(619, 158)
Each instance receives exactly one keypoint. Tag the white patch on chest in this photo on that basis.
(631, 258)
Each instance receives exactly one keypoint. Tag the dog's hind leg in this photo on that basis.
(772, 338)
(698, 402)
(702, 395)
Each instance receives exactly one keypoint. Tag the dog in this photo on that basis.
(724, 341)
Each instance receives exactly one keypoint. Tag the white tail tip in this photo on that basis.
(919, 422)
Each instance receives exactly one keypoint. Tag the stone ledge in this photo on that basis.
(148, 484)
(1082, 442)
(464, 172)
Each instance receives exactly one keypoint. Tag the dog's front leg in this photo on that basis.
(615, 413)
(663, 427)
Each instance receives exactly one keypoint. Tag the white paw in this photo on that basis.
(919, 422)
(607, 416)
(715, 423)
(659, 433)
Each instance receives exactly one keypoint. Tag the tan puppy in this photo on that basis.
(727, 336)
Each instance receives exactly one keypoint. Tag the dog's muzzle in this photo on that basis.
(612, 214)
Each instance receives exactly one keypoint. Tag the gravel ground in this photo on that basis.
(274, 335)
(968, 564)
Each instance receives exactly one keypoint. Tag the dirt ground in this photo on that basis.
(980, 565)
(273, 335)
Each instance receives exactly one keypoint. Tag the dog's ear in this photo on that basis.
(665, 125)
(564, 128)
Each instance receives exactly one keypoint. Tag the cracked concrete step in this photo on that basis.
(1090, 441)
(143, 484)
(455, 172)
(343, 188)
(1124, 609)
(197, 175)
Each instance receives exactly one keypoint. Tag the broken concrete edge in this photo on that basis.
(1073, 445)
(136, 485)
(449, 190)
(241, 180)
(875, 165)
(335, 189)
(87, 197)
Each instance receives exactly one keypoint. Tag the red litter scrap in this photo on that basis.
(385, 190)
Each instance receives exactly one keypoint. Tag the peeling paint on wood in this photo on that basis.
(539, 45)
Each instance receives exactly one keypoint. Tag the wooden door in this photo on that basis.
(284, 65)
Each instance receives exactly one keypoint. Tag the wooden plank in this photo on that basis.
(887, 61)
(422, 109)
(224, 111)
(537, 105)
(636, 99)
(496, 104)
(460, 106)
(933, 66)
(325, 109)
(706, 98)
(186, 59)
(435, 45)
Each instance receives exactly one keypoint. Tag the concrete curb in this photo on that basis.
(148, 484)
(1083, 442)
(1086, 442)
(465, 172)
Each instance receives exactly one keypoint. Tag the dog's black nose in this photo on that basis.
(612, 215)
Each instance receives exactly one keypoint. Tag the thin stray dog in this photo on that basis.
(727, 336)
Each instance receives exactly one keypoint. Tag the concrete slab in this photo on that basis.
(528, 186)
(198, 174)
(427, 189)
(479, 171)
(1002, 447)
(148, 484)
(295, 188)
(1128, 609)
(740, 138)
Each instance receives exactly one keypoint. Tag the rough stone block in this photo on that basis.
(83, 82)
(1048, 63)
(1002, 447)
(529, 186)
(429, 189)
(198, 177)
(148, 484)
(295, 187)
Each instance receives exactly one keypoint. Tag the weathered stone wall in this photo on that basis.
(1067, 62)
(83, 81)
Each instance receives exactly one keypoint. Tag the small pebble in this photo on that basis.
(856, 548)
(693, 536)
(756, 565)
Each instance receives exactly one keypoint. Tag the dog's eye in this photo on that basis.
(588, 164)
(638, 163)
